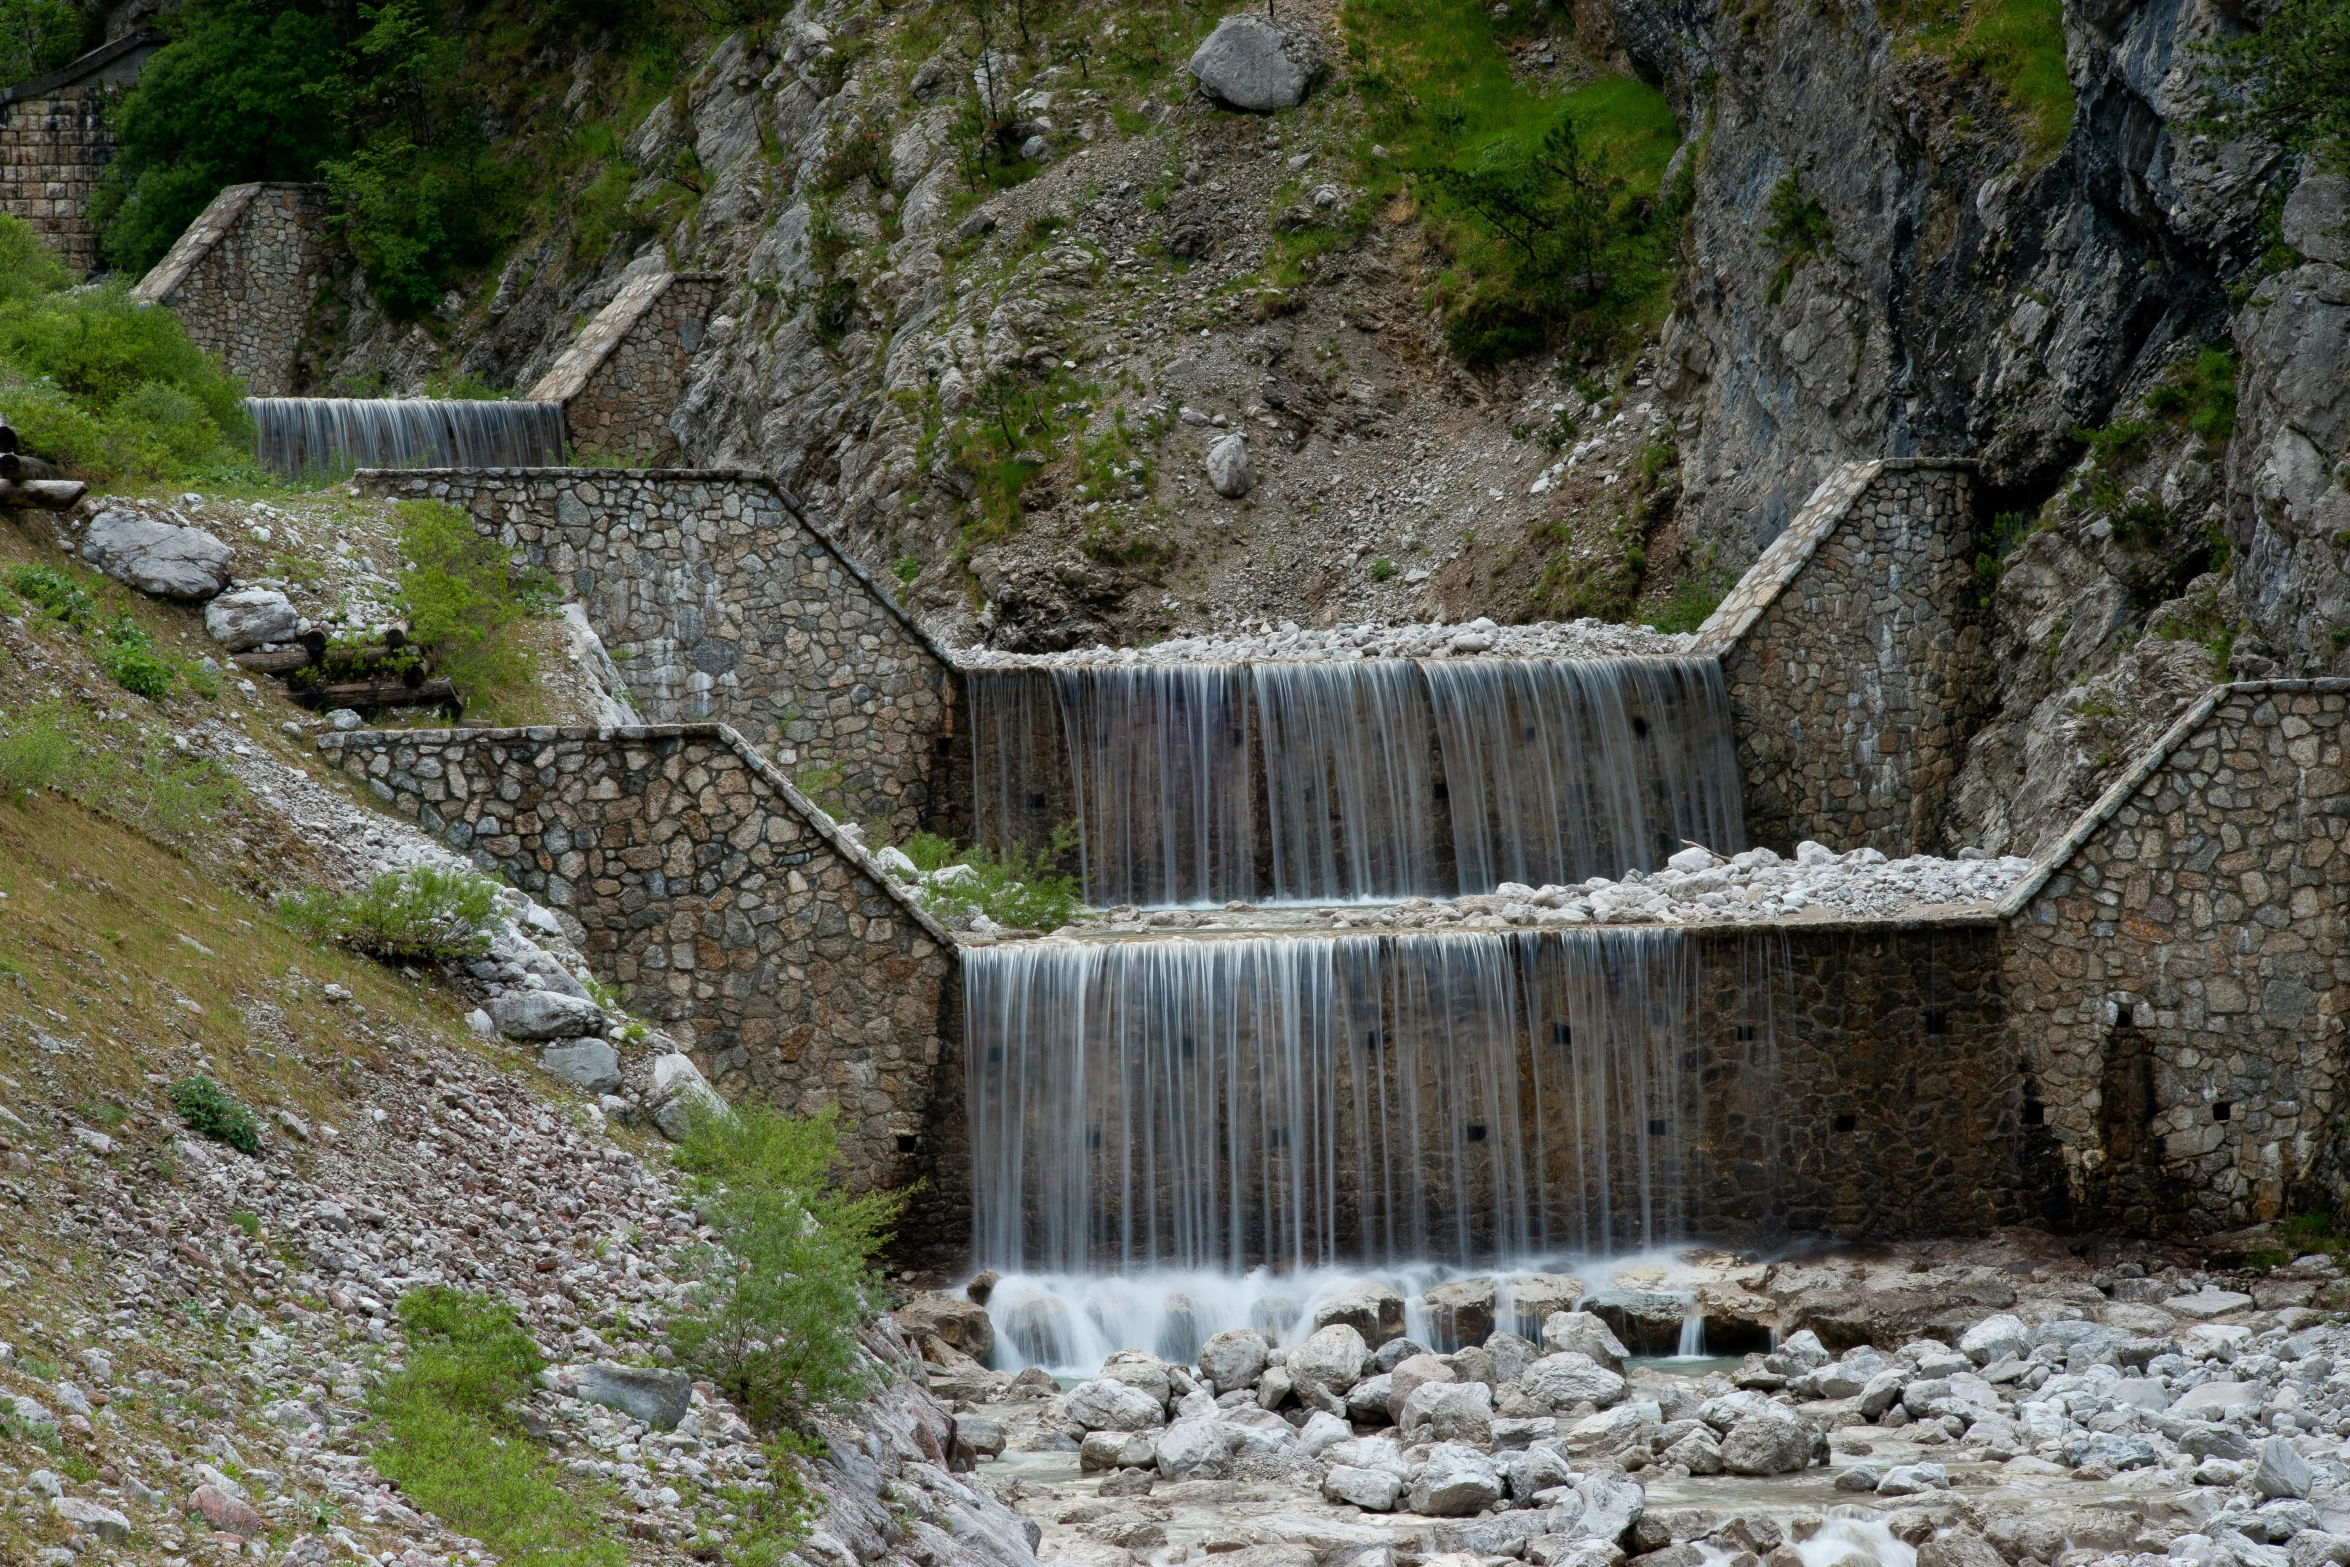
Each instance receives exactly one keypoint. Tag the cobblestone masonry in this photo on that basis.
(624, 374)
(722, 905)
(54, 143)
(243, 277)
(721, 604)
(2177, 968)
(1853, 655)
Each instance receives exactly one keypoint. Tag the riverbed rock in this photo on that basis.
(1373, 1310)
(1460, 1312)
(1559, 1382)
(1456, 1481)
(1332, 1359)
(1373, 1490)
(1536, 1470)
(1449, 1412)
(1582, 1333)
(1407, 1378)
(1762, 1444)
(1649, 1321)
(156, 557)
(1194, 1450)
(1233, 1359)
(958, 1320)
(1104, 1404)
(1142, 1371)
(1996, 1337)
(1366, 1401)
(245, 619)
(1913, 1479)
(1612, 1503)
(2207, 1303)
(1249, 63)
(1116, 1450)
(2283, 1470)
(1510, 1354)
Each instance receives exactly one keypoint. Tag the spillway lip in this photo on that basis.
(1299, 924)
(1546, 641)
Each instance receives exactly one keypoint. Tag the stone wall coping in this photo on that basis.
(1846, 925)
(212, 225)
(2135, 776)
(725, 734)
(791, 503)
(88, 65)
(569, 375)
(1784, 558)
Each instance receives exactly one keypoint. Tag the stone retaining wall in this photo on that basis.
(54, 143)
(725, 909)
(1853, 650)
(721, 604)
(2177, 970)
(243, 277)
(624, 374)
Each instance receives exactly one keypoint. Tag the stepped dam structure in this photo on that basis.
(1353, 1003)
(322, 437)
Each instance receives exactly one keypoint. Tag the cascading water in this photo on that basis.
(1305, 1102)
(1299, 782)
(319, 437)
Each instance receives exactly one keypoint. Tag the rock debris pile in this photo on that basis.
(1286, 641)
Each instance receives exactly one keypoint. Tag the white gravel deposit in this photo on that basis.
(1479, 638)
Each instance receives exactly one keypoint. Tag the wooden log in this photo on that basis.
(50, 494)
(362, 695)
(16, 465)
(283, 662)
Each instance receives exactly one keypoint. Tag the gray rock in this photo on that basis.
(1248, 63)
(1581, 1333)
(2112, 1450)
(1996, 1338)
(343, 720)
(30, 1414)
(1394, 1353)
(1373, 1490)
(1883, 1392)
(1912, 1480)
(1366, 1401)
(1142, 1371)
(584, 1063)
(659, 1398)
(2209, 1439)
(1536, 1470)
(545, 1015)
(1449, 1412)
(1274, 1387)
(2207, 1303)
(1195, 1450)
(1860, 1477)
(2317, 217)
(45, 1483)
(248, 617)
(155, 557)
(1698, 1452)
(92, 1519)
(1228, 468)
(984, 1437)
(1407, 1378)
(1323, 1431)
(1647, 1320)
(1560, 1382)
(681, 1097)
(1455, 1481)
(2283, 1471)
(1116, 1450)
(1562, 1550)
(1764, 1445)
(2215, 1399)
(2318, 1548)
(1612, 1503)
(1332, 1359)
(1373, 1310)
(1233, 1359)
(1106, 1405)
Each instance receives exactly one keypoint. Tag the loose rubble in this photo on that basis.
(1287, 641)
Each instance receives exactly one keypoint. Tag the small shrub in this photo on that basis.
(773, 1321)
(2291, 79)
(464, 599)
(55, 592)
(452, 1444)
(1015, 888)
(133, 663)
(38, 751)
(1381, 569)
(212, 1111)
(1800, 229)
(2200, 393)
(421, 914)
(1692, 602)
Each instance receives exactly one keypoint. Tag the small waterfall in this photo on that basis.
(319, 437)
(1302, 1102)
(1692, 1343)
(1378, 778)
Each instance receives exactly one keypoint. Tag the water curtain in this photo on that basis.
(1299, 1102)
(1378, 778)
(319, 437)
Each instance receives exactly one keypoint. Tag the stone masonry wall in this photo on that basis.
(2177, 969)
(1853, 651)
(625, 373)
(52, 149)
(720, 604)
(243, 277)
(718, 902)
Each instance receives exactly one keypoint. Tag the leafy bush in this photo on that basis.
(464, 599)
(2200, 393)
(36, 37)
(773, 1321)
(100, 384)
(55, 592)
(1015, 888)
(131, 659)
(212, 1111)
(1800, 229)
(2291, 79)
(422, 914)
(452, 1444)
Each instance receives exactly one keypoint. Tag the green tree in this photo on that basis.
(2293, 78)
(242, 92)
(37, 36)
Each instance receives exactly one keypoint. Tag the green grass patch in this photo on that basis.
(210, 1110)
(422, 914)
(466, 603)
(452, 1444)
(2018, 45)
(1016, 888)
(138, 780)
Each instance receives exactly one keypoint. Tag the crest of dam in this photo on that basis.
(1302, 1102)
(1340, 782)
(320, 437)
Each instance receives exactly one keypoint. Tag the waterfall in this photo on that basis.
(1302, 1102)
(319, 437)
(1377, 778)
